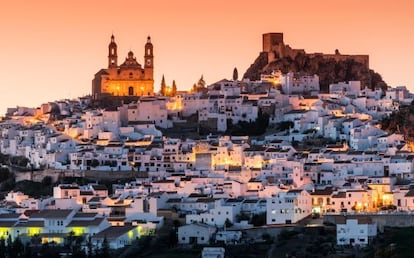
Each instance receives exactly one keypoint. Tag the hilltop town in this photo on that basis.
(218, 161)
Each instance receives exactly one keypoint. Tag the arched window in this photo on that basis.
(131, 75)
(131, 91)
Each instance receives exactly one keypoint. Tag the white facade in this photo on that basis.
(303, 84)
(288, 207)
(149, 110)
(195, 234)
(345, 88)
(354, 232)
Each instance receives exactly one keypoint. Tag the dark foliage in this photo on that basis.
(34, 189)
(401, 121)
(258, 219)
(255, 128)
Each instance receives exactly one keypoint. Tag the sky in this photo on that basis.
(51, 49)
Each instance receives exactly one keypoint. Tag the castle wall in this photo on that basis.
(274, 46)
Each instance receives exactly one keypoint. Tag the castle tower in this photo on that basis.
(149, 60)
(112, 54)
(271, 41)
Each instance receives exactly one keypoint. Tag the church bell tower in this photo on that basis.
(112, 54)
(149, 60)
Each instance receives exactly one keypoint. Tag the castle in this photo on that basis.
(127, 79)
(275, 48)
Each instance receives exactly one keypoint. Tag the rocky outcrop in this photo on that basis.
(329, 70)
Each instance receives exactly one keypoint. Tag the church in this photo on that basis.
(127, 79)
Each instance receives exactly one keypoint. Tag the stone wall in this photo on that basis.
(394, 219)
(38, 176)
(275, 47)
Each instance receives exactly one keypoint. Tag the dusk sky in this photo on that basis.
(50, 49)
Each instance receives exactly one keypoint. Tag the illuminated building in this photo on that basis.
(127, 79)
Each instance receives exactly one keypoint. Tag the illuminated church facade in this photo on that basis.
(127, 79)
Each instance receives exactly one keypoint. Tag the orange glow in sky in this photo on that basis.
(51, 49)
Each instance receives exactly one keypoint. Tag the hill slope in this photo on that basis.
(329, 70)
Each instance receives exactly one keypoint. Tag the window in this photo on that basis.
(131, 90)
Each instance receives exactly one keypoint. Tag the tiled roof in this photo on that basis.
(326, 191)
(9, 216)
(410, 193)
(31, 224)
(85, 223)
(114, 232)
(51, 214)
(339, 195)
(85, 215)
(7, 224)
(99, 187)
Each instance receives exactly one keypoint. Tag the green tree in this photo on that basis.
(259, 219)
(89, 245)
(77, 251)
(47, 251)
(235, 74)
(3, 248)
(16, 249)
(94, 163)
(163, 86)
(174, 89)
(104, 251)
(47, 181)
(28, 251)
(228, 223)
(9, 243)
(4, 174)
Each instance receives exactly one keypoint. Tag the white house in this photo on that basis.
(288, 207)
(117, 237)
(359, 231)
(149, 109)
(195, 234)
(292, 84)
(218, 215)
(345, 88)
